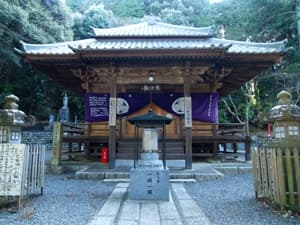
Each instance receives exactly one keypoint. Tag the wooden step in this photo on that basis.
(174, 149)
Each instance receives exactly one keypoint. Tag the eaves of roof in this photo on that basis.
(95, 45)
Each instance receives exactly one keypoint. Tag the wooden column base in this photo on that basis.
(112, 147)
(188, 148)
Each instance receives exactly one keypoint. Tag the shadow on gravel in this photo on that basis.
(66, 201)
(232, 201)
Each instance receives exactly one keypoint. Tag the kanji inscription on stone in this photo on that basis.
(11, 169)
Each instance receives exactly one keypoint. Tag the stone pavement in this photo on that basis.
(181, 209)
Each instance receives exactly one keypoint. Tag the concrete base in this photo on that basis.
(149, 184)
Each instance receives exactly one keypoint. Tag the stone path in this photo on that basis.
(181, 209)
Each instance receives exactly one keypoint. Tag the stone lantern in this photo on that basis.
(11, 120)
(149, 179)
(285, 117)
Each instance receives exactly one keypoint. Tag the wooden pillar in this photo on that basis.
(213, 87)
(112, 118)
(87, 128)
(248, 140)
(56, 143)
(248, 148)
(215, 144)
(187, 117)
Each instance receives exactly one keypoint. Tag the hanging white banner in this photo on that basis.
(112, 111)
(187, 111)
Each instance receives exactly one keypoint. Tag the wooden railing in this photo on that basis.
(73, 139)
(64, 135)
(72, 129)
(209, 129)
(276, 173)
(231, 129)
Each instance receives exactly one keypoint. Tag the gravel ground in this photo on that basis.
(232, 201)
(66, 201)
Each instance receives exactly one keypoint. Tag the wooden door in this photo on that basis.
(173, 130)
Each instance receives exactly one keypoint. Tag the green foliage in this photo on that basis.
(35, 22)
(95, 16)
(81, 6)
(129, 8)
(256, 20)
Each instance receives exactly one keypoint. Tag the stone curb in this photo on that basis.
(109, 212)
(234, 170)
(188, 209)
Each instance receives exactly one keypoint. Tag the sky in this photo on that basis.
(215, 1)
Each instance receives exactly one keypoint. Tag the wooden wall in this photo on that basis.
(174, 130)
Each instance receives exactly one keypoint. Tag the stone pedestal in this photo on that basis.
(149, 180)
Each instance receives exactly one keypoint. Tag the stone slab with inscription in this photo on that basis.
(149, 184)
(11, 169)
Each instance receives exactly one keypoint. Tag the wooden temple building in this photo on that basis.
(178, 71)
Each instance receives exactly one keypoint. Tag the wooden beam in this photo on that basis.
(188, 129)
(173, 53)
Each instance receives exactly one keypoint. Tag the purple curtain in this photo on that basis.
(204, 105)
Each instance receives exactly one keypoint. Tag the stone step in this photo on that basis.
(128, 180)
(207, 175)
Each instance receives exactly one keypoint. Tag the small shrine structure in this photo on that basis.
(180, 71)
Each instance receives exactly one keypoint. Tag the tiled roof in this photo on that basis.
(154, 29)
(243, 47)
(153, 44)
(53, 49)
(153, 37)
(148, 44)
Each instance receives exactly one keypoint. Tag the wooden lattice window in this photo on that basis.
(279, 132)
(293, 130)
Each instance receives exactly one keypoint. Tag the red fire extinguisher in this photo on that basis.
(104, 154)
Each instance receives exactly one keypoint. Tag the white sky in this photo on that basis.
(215, 1)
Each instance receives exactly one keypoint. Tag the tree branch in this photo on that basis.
(233, 113)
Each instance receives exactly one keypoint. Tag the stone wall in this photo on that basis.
(38, 137)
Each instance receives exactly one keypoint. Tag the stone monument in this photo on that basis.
(21, 165)
(64, 112)
(11, 151)
(149, 179)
